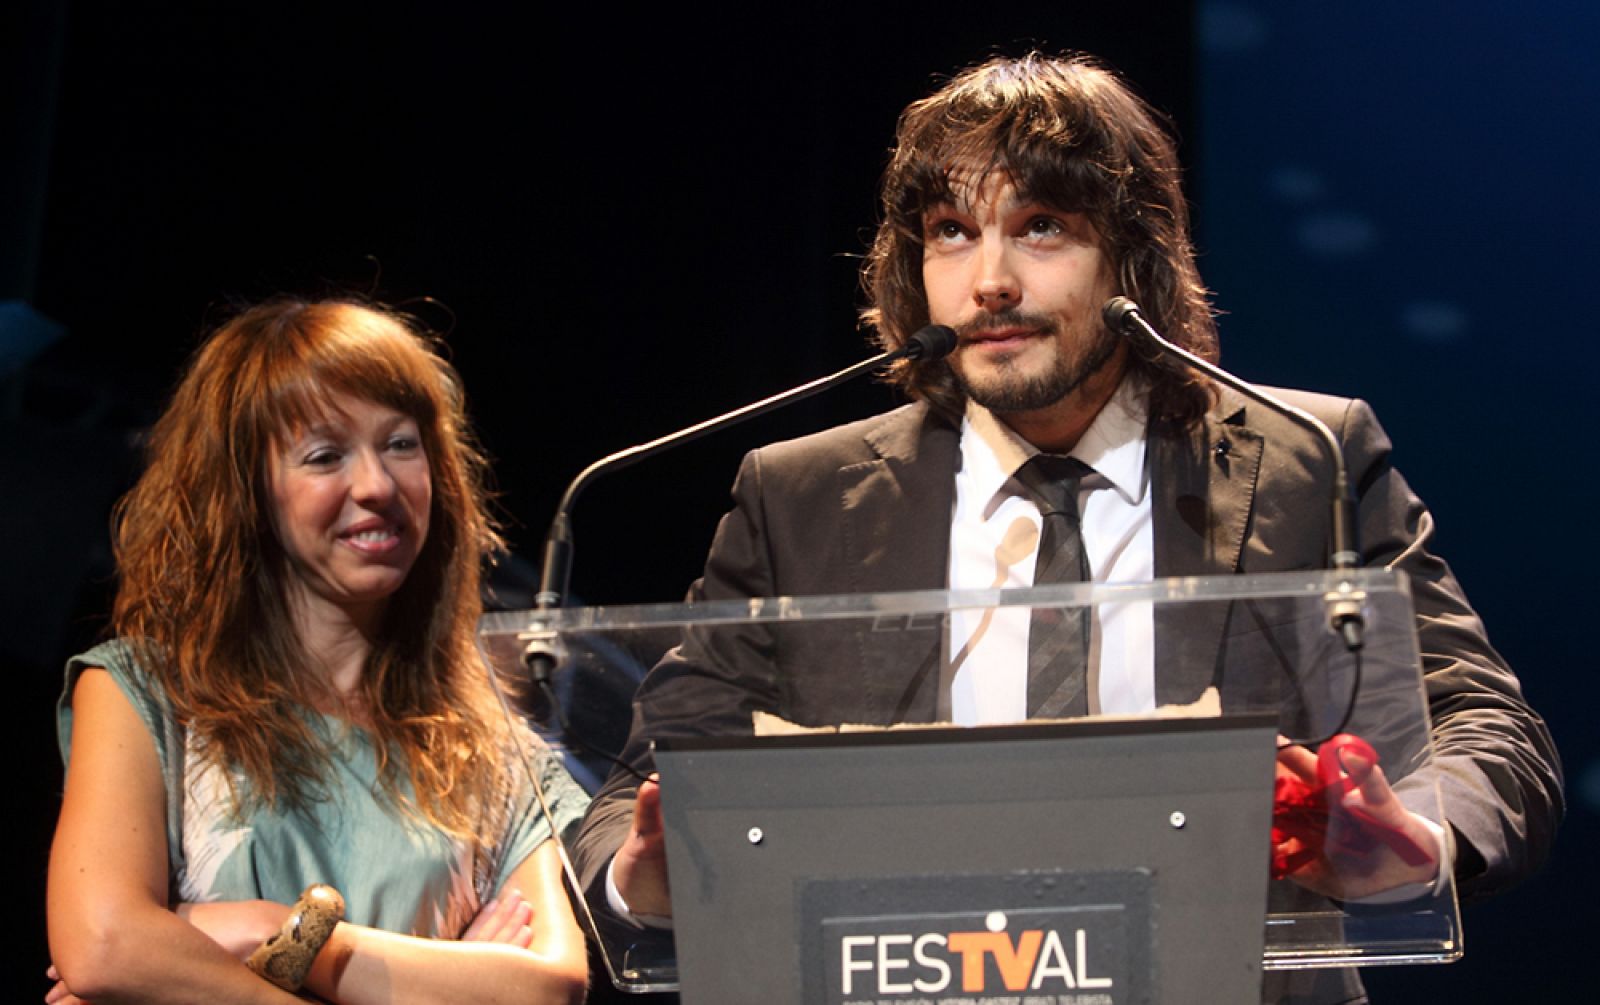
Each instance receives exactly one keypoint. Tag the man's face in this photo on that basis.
(1022, 284)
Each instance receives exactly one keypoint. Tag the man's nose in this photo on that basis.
(996, 287)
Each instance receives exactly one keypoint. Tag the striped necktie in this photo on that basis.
(1058, 637)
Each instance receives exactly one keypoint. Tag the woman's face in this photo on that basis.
(351, 495)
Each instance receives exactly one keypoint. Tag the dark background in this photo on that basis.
(626, 223)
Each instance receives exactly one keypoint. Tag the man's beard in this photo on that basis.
(1005, 388)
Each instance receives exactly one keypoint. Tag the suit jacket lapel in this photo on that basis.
(897, 526)
(1204, 481)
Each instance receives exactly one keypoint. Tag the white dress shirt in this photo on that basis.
(994, 543)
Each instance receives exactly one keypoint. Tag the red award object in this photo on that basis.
(1310, 819)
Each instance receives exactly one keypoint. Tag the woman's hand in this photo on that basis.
(59, 993)
(506, 919)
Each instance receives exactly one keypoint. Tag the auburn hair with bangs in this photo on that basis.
(1066, 133)
(202, 591)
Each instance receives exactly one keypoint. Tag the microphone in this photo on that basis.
(1123, 316)
(931, 343)
(926, 344)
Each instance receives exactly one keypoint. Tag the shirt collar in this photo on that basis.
(1114, 445)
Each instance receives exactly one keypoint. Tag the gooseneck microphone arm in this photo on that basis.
(1124, 317)
(930, 343)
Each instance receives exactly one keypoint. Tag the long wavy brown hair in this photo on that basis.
(202, 591)
(1069, 134)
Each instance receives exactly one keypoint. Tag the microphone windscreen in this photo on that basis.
(1118, 313)
(931, 343)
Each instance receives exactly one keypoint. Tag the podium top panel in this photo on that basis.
(1357, 584)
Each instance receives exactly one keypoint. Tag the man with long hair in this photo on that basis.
(1020, 197)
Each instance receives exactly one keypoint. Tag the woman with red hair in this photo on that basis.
(294, 698)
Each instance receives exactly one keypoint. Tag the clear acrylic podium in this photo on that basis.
(1173, 823)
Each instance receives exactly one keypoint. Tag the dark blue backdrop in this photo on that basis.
(1396, 204)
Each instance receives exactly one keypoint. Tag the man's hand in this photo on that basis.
(1359, 858)
(640, 867)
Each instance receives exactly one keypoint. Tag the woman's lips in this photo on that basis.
(372, 538)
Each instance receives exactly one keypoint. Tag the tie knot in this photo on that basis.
(1051, 481)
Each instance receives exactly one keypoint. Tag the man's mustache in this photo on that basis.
(985, 321)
